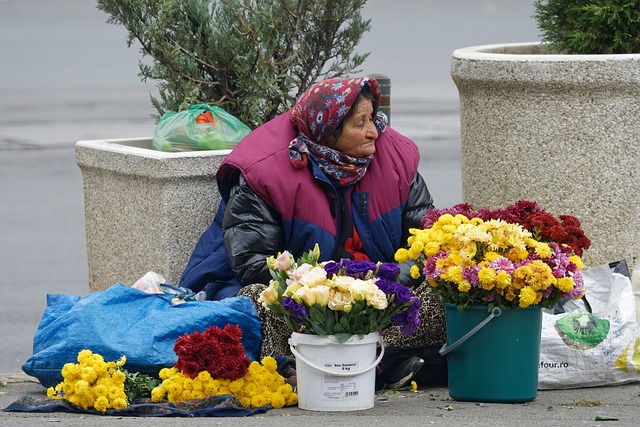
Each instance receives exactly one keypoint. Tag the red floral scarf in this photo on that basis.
(317, 114)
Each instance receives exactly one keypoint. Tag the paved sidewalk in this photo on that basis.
(620, 405)
(88, 89)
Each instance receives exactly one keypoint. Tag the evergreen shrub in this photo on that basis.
(589, 27)
(249, 57)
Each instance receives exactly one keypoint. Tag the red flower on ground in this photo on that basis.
(217, 351)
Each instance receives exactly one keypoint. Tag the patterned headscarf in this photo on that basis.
(317, 114)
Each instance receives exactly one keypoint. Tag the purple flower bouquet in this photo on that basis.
(339, 298)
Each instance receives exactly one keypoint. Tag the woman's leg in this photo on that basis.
(431, 330)
(275, 334)
(402, 351)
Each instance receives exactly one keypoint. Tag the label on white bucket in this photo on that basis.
(338, 387)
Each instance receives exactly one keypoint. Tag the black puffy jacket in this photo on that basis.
(253, 230)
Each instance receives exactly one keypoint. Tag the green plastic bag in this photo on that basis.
(201, 127)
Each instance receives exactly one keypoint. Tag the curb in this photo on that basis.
(16, 378)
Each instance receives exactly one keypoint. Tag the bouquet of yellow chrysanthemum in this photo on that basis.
(470, 261)
(261, 385)
(209, 363)
(92, 383)
(214, 362)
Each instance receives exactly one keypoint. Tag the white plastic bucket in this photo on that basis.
(335, 376)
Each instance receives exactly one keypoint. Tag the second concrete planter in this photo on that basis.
(562, 130)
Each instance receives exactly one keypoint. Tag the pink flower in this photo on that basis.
(284, 261)
(502, 264)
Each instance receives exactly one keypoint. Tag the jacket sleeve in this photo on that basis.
(252, 233)
(419, 201)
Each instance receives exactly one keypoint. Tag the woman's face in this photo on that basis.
(358, 138)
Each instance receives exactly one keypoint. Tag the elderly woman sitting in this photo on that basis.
(328, 172)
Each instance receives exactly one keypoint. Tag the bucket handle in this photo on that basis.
(338, 374)
(496, 312)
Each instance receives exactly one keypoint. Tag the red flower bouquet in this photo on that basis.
(217, 351)
(565, 229)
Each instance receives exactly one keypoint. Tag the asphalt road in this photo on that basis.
(594, 407)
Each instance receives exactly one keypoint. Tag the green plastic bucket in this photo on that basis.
(493, 357)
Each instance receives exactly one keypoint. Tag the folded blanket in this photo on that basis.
(222, 405)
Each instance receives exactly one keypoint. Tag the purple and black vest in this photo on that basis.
(303, 197)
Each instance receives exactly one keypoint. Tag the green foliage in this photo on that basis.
(589, 27)
(249, 57)
(137, 385)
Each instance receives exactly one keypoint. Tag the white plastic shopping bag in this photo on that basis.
(594, 342)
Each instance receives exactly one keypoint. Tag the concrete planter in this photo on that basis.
(562, 130)
(144, 209)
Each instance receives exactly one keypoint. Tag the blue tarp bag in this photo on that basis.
(125, 321)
